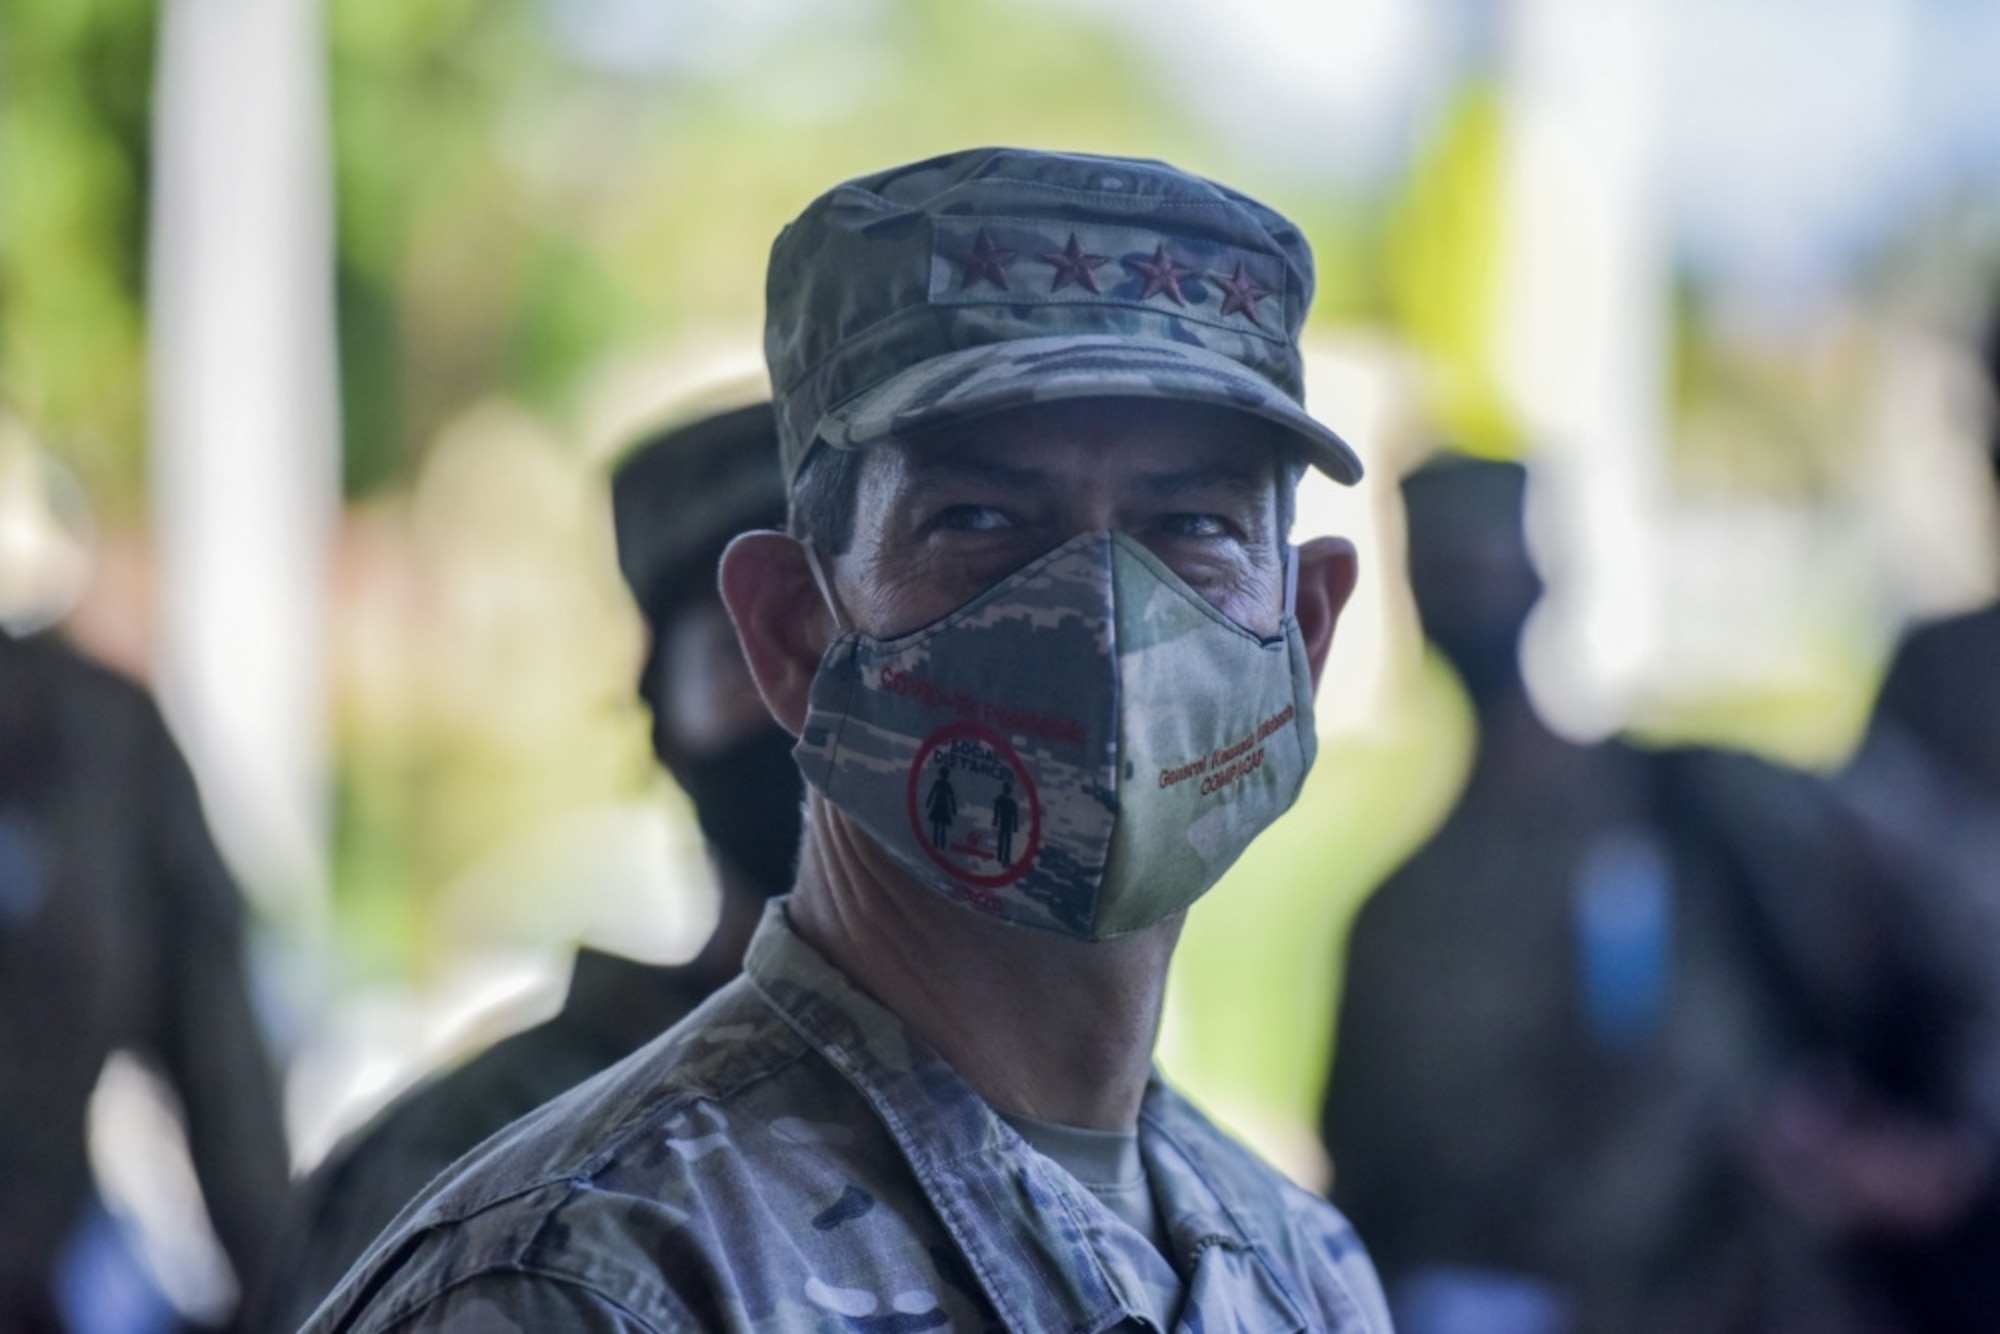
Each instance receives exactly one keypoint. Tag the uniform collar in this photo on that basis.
(1034, 1240)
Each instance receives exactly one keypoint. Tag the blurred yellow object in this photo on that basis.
(1445, 252)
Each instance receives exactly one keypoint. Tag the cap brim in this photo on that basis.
(997, 376)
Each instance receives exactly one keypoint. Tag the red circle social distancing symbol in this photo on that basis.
(973, 807)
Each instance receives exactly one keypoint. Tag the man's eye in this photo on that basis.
(1194, 525)
(972, 519)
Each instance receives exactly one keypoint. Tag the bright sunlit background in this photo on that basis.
(319, 324)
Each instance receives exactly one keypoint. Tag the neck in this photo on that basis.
(1038, 1024)
(1514, 745)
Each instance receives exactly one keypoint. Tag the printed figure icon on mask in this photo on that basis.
(1006, 818)
(972, 785)
(943, 802)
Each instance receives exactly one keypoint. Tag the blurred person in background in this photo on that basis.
(1042, 416)
(120, 930)
(677, 499)
(1574, 1024)
(1904, 1176)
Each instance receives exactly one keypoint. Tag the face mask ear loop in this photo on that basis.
(1291, 580)
(841, 625)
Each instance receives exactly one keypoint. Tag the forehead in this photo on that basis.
(1121, 445)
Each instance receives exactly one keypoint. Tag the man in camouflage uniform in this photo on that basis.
(1041, 415)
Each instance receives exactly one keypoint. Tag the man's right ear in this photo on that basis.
(782, 621)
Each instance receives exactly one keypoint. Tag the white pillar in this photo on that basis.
(1583, 323)
(244, 422)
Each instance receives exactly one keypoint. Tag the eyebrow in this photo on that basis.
(1239, 482)
(946, 466)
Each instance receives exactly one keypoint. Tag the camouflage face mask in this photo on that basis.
(1085, 747)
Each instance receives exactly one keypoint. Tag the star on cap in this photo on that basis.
(1162, 275)
(985, 262)
(1072, 265)
(1240, 293)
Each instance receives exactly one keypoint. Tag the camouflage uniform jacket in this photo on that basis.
(792, 1158)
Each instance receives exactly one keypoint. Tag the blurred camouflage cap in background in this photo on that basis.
(996, 277)
(681, 492)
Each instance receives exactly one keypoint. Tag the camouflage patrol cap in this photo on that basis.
(682, 492)
(997, 277)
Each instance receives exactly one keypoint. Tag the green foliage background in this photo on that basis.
(75, 92)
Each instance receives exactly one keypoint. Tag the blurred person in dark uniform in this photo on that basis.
(1573, 1023)
(1905, 1178)
(677, 499)
(120, 930)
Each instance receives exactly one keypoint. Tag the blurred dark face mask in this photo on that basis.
(746, 799)
(1488, 664)
(1474, 601)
